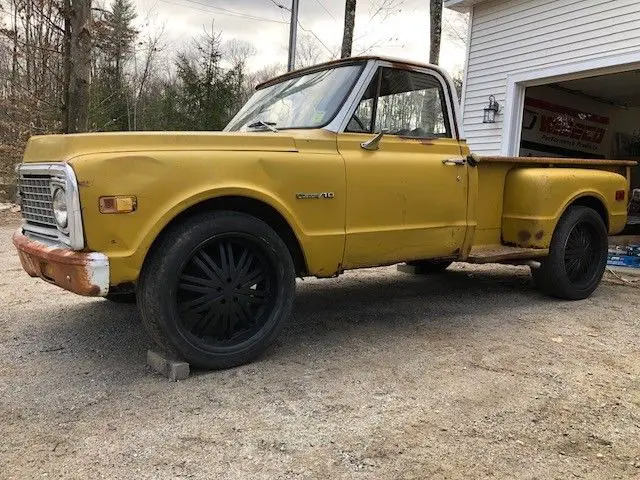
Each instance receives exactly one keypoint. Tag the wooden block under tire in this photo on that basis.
(174, 370)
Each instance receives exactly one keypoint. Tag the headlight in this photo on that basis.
(60, 207)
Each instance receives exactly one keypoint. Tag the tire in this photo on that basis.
(426, 267)
(217, 289)
(121, 297)
(577, 256)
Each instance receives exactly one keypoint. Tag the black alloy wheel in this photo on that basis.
(580, 255)
(226, 290)
(217, 289)
(577, 256)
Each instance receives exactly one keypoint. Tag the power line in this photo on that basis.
(331, 52)
(305, 29)
(279, 5)
(226, 12)
(325, 9)
(282, 7)
(234, 13)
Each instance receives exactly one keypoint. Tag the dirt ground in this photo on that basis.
(379, 375)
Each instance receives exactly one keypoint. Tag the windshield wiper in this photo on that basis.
(270, 125)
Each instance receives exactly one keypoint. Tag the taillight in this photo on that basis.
(620, 194)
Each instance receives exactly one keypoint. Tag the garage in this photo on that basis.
(556, 79)
(584, 115)
(592, 117)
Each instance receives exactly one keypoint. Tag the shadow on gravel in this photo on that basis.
(461, 287)
(332, 314)
(328, 314)
(93, 336)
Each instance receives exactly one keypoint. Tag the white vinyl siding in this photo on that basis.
(515, 36)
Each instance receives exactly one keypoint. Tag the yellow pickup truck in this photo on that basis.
(353, 163)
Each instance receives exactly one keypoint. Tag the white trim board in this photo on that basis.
(465, 74)
(518, 82)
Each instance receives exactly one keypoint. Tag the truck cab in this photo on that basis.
(350, 164)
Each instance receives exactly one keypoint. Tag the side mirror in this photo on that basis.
(374, 143)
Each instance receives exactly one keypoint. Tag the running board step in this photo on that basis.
(503, 253)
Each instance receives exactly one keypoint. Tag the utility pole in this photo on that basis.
(293, 35)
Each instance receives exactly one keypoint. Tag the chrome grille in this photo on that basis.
(36, 182)
(36, 200)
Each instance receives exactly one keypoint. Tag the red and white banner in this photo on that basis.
(552, 129)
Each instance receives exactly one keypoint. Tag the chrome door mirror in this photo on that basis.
(374, 143)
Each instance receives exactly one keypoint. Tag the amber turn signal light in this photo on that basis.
(620, 194)
(118, 204)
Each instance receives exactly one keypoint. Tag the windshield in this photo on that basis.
(308, 101)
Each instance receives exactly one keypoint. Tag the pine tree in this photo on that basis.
(115, 38)
(208, 93)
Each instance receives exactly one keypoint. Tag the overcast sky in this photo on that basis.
(400, 31)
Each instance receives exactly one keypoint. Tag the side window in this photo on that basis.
(362, 120)
(411, 104)
(407, 103)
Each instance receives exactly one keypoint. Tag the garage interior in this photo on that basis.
(594, 117)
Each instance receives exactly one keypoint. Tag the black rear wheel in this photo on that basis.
(577, 256)
(217, 289)
(580, 254)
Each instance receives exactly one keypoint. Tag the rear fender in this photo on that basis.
(536, 198)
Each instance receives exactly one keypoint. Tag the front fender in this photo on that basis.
(176, 206)
(536, 198)
(169, 183)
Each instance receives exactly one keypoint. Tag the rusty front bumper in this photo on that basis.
(79, 272)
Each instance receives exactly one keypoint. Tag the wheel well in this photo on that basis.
(595, 204)
(256, 209)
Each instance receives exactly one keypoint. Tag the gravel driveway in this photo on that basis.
(381, 375)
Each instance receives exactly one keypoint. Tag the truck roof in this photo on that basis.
(397, 62)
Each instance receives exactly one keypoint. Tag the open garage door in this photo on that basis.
(594, 117)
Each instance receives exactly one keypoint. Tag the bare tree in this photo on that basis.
(435, 27)
(383, 9)
(265, 73)
(455, 27)
(152, 46)
(349, 25)
(31, 74)
(238, 52)
(308, 52)
(77, 62)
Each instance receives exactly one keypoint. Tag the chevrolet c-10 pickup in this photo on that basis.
(354, 163)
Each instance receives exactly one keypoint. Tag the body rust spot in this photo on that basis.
(524, 236)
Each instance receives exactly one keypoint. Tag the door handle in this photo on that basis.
(454, 161)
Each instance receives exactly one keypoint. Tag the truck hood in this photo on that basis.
(53, 148)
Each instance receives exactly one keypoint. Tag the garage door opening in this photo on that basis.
(595, 117)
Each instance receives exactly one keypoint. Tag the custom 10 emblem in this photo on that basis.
(315, 196)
